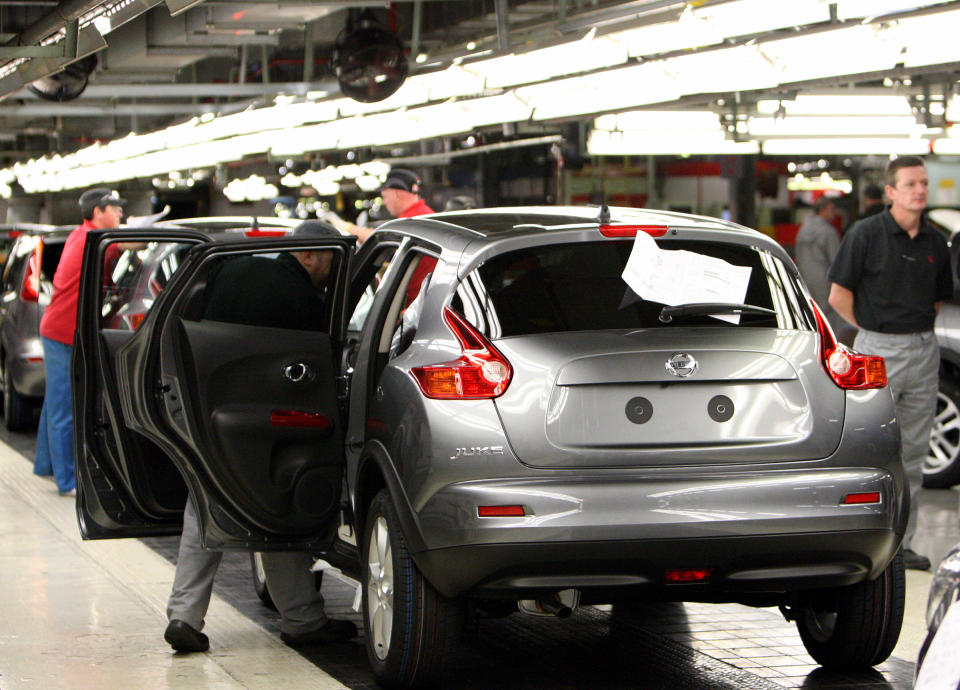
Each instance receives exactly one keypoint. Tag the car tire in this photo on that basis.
(941, 469)
(17, 410)
(855, 627)
(260, 580)
(411, 630)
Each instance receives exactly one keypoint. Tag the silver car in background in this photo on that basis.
(27, 285)
(514, 428)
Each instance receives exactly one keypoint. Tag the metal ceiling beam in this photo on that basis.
(80, 110)
(185, 90)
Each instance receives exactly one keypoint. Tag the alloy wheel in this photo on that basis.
(380, 587)
(944, 436)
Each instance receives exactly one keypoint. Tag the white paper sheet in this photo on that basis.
(683, 277)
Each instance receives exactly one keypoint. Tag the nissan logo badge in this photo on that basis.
(681, 364)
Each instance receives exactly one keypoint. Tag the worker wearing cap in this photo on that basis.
(102, 209)
(401, 195)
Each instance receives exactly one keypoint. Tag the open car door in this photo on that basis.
(245, 416)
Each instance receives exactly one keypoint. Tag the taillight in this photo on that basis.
(480, 372)
(30, 291)
(848, 370)
(632, 230)
(257, 232)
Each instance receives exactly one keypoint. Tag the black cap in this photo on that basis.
(315, 228)
(407, 180)
(98, 197)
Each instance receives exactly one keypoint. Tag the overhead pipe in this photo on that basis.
(55, 20)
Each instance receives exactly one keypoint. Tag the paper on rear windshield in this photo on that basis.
(683, 277)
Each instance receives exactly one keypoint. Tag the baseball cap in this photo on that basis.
(315, 228)
(400, 178)
(98, 197)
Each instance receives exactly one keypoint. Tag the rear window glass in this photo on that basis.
(577, 287)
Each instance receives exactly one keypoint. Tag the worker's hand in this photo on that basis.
(336, 221)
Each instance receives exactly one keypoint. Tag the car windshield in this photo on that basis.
(578, 287)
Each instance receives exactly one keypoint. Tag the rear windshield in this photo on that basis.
(577, 287)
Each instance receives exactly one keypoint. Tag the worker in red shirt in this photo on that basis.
(102, 209)
(401, 196)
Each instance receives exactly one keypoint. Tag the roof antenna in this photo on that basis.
(604, 218)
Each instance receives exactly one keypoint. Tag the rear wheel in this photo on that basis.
(260, 580)
(412, 631)
(941, 469)
(17, 409)
(855, 627)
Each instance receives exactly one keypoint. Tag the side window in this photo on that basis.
(403, 314)
(286, 289)
(14, 266)
(134, 274)
(368, 282)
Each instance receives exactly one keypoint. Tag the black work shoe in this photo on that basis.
(185, 638)
(332, 631)
(914, 561)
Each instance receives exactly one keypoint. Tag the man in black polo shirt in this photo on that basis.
(888, 279)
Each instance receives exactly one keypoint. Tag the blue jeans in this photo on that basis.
(55, 433)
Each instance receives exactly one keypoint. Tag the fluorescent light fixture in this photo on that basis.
(891, 125)
(866, 9)
(841, 104)
(290, 180)
(585, 55)
(743, 68)
(847, 146)
(655, 121)
(616, 89)
(852, 50)
(747, 17)
(603, 143)
(690, 31)
(368, 183)
(946, 147)
(927, 40)
(452, 82)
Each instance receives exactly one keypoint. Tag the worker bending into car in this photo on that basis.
(281, 292)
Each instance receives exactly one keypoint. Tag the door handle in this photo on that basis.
(298, 372)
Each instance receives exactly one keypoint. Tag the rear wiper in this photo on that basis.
(710, 308)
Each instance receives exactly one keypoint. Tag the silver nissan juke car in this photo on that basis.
(519, 415)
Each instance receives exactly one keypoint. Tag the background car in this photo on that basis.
(514, 424)
(938, 664)
(27, 284)
(942, 466)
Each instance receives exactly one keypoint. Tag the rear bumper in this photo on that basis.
(29, 377)
(758, 531)
(740, 565)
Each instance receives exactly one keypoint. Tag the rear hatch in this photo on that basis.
(610, 400)
(600, 381)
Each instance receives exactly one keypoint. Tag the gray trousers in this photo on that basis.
(913, 365)
(291, 584)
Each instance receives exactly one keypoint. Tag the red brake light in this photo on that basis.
(500, 511)
(265, 233)
(632, 230)
(30, 291)
(684, 575)
(480, 372)
(848, 369)
(866, 497)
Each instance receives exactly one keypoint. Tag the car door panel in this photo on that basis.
(127, 484)
(259, 444)
(265, 419)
